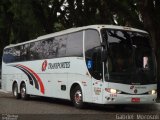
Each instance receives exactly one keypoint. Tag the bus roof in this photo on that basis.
(71, 30)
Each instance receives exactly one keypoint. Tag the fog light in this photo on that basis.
(152, 92)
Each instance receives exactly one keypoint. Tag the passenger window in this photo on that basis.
(75, 44)
(62, 46)
(8, 55)
(97, 64)
(92, 40)
(25, 52)
(51, 48)
(93, 53)
(35, 50)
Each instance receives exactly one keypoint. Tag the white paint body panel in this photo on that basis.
(52, 79)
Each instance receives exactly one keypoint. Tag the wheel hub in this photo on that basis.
(23, 92)
(15, 92)
(78, 97)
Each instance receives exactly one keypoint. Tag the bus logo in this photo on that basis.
(135, 91)
(44, 65)
(131, 87)
(89, 64)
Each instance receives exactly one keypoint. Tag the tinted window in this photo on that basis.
(8, 55)
(12, 54)
(75, 44)
(62, 46)
(120, 50)
(92, 40)
(130, 57)
(93, 53)
(44, 49)
(96, 71)
(25, 52)
(51, 48)
(34, 49)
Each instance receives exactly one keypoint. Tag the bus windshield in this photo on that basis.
(130, 57)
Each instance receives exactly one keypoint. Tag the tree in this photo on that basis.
(45, 12)
(6, 19)
(149, 10)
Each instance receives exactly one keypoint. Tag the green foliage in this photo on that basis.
(27, 19)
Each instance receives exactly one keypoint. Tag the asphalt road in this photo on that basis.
(46, 108)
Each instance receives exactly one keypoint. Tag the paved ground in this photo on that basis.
(47, 108)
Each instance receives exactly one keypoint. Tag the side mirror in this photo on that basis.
(104, 55)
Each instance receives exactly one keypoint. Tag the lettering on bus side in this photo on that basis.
(59, 65)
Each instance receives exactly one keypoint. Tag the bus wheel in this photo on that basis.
(15, 91)
(77, 97)
(24, 95)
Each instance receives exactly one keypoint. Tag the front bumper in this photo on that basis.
(129, 99)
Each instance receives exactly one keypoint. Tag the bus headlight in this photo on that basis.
(152, 92)
(113, 91)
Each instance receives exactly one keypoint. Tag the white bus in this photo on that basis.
(101, 64)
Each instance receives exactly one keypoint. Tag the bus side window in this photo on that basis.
(97, 63)
(75, 44)
(93, 53)
(24, 52)
(8, 55)
(33, 51)
(62, 45)
(16, 53)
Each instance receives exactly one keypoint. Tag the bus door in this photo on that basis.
(95, 67)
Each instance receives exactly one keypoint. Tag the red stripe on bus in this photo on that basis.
(36, 76)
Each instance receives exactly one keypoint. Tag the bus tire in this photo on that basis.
(24, 95)
(15, 91)
(77, 97)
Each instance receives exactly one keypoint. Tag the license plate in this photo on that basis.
(135, 100)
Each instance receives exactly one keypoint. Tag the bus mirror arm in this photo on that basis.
(103, 44)
(104, 55)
